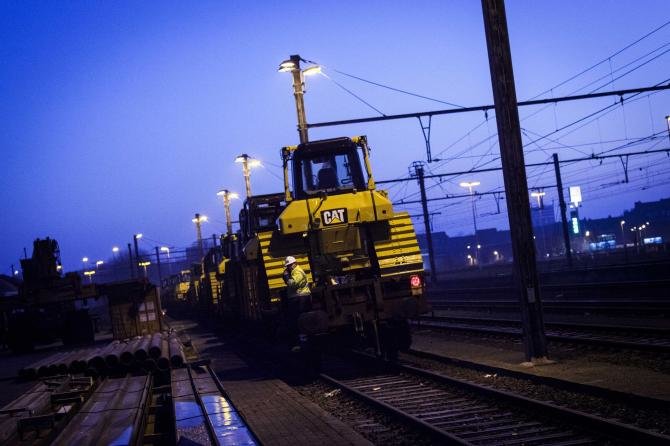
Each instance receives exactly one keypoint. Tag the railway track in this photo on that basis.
(530, 380)
(636, 338)
(460, 412)
(650, 307)
(649, 298)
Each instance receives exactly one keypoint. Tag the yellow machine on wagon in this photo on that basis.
(362, 257)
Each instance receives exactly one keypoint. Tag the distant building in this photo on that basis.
(495, 246)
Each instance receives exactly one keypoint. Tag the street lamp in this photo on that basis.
(144, 265)
(136, 237)
(85, 262)
(497, 255)
(469, 185)
(89, 274)
(227, 195)
(167, 250)
(198, 220)
(538, 195)
(247, 163)
(622, 223)
(293, 65)
(98, 263)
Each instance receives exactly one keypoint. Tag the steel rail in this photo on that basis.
(566, 325)
(632, 399)
(487, 400)
(415, 421)
(609, 428)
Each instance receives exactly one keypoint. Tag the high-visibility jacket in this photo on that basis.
(297, 284)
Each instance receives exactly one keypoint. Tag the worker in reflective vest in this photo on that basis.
(299, 297)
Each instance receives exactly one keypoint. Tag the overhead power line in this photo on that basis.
(546, 163)
(489, 107)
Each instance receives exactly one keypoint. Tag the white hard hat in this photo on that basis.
(289, 260)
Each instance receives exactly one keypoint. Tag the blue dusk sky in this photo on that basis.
(121, 117)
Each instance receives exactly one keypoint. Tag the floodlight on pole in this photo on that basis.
(470, 185)
(293, 65)
(167, 250)
(198, 220)
(144, 265)
(227, 195)
(136, 237)
(538, 195)
(247, 163)
(89, 274)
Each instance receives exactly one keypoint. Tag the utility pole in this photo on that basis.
(418, 171)
(564, 210)
(514, 175)
(130, 259)
(137, 254)
(293, 65)
(197, 220)
(158, 264)
(227, 195)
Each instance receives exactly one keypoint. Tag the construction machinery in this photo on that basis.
(361, 256)
(45, 307)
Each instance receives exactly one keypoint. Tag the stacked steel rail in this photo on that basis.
(115, 414)
(202, 414)
(42, 411)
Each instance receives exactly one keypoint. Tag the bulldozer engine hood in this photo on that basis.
(330, 210)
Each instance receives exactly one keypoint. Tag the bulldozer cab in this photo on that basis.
(331, 166)
(260, 213)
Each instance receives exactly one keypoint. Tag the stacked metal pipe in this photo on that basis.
(157, 351)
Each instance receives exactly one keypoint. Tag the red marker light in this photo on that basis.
(415, 281)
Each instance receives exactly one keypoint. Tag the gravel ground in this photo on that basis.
(644, 418)
(561, 351)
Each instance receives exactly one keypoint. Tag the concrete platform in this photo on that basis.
(275, 413)
(603, 369)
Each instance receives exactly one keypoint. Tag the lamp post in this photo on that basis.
(115, 252)
(247, 163)
(538, 195)
(622, 223)
(470, 185)
(84, 261)
(227, 195)
(144, 265)
(98, 263)
(137, 255)
(198, 220)
(89, 274)
(293, 65)
(167, 250)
